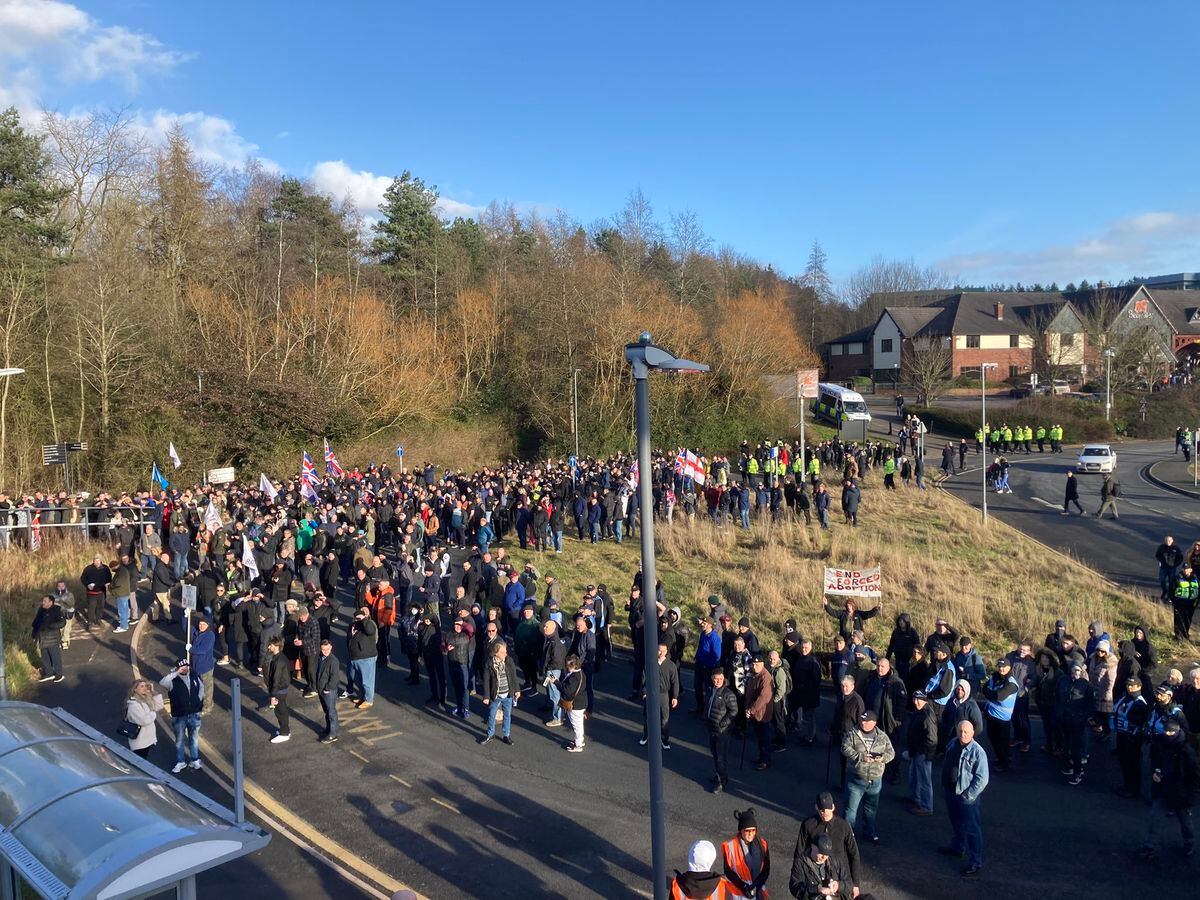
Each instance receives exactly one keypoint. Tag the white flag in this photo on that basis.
(248, 560)
(212, 518)
(264, 485)
(174, 454)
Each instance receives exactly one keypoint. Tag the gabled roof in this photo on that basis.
(853, 337)
(913, 320)
(975, 311)
(1180, 308)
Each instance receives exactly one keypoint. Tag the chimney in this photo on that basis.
(999, 312)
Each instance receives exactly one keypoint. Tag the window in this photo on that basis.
(1014, 371)
(1014, 340)
(836, 349)
(969, 371)
(972, 342)
(855, 349)
(1066, 340)
(885, 345)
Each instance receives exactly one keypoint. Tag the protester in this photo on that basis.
(185, 690)
(699, 882)
(747, 858)
(573, 687)
(47, 632)
(141, 708)
(329, 673)
(964, 778)
(867, 751)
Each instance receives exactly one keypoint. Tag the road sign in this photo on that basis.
(572, 462)
(222, 476)
(54, 454)
(76, 446)
(806, 383)
(187, 595)
(400, 452)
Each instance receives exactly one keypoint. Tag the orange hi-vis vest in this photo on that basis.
(724, 890)
(736, 860)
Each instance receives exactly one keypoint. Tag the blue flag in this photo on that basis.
(157, 477)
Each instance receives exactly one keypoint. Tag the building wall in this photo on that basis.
(994, 342)
(1003, 357)
(886, 330)
(845, 366)
(1065, 356)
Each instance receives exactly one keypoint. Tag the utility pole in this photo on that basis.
(575, 408)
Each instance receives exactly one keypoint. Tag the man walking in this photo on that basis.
(1169, 558)
(867, 751)
(329, 673)
(759, 710)
(186, 692)
(1110, 490)
(964, 778)
(47, 631)
(500, 690)
(719, 717)
(278, 681)
(668, 698)
(1129, 717)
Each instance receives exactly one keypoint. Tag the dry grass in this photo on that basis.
(937, 559)
(24, 577)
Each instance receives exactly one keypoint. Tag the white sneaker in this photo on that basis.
(195, 764)
(281, 738)
(179, 767)
(119, 630)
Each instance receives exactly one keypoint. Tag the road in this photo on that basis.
(1123, 549)
(412, 793)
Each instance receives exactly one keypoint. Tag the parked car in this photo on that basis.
(1060, 387)
(1096, 458)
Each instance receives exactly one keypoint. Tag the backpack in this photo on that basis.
(1116, 488)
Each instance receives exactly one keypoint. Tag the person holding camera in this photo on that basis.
(868, 751)
(362, 644)
(185, 690)
(573, 688)
(141, 709)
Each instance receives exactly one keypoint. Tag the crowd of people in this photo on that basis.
(275, 571)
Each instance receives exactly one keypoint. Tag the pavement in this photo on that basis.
(1176, 475)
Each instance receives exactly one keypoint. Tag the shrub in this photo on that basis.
(1082, 420)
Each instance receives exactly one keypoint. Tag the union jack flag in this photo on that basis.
(332, 466)
(35, 532)
(308, 473)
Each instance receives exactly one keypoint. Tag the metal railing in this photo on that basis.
(19, 534)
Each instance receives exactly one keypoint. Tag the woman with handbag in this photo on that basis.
(573, 685)
(141, 714)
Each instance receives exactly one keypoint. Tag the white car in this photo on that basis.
(1096, 458)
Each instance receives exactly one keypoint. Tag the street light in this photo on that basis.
(642, 357)
(983, 367)
(575, 408)
(4, 373)
(1108, 358)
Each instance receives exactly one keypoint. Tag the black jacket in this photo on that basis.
(491, 680)
(329, 672)
(554, 652)
(722, 710)
(362, 639)
(277, 675)
(163, 578)
(922, 738)
(806, 682)
(845, 847)
(808, 877)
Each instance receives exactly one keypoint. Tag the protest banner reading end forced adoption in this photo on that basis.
(854, 582)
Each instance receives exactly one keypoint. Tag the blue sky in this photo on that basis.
(1019, 141)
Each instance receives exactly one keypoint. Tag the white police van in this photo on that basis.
(837, 404)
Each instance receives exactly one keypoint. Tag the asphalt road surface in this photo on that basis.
(411, 792)
(1123, 549)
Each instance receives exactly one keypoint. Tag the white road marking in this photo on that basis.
(1044, 502)
(452, 809)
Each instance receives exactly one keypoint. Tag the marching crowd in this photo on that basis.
(273, 568)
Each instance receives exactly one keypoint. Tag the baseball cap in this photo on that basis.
(824, 800)
(920, 695)
(824, 845)
(869, 716)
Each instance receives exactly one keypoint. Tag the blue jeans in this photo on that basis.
(362, 679)
(968, 833)
(862, 795)
(123, 611)
(187, 737)
(180, 565)
(458, 681)
(617, 525)
(492, 708)
(1166, 579)
(745, 514)
(329, 707)
(920, 782)
(553, 694)
(557, 536)
(595, 530)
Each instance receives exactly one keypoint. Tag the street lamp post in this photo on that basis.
(983, 367)
(1108, 358)
(4, 373)
(575, 408)
(642, 357)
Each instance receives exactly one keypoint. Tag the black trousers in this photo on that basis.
(718, 745)
(764, 736)
(383, 644)
(1183, 617)
(281, 714)
(1000, 734)
(639, 665)
(702, 685)
(435, 667)
(308, 665)
(1129, 756)
(664, 715)
(414, 667)
(95, 609)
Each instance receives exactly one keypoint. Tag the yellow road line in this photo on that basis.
(452, 809)
(293, 825)
(399, 779)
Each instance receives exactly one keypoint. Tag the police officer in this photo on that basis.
(1184, 603)
(1129, 722)
(1041, 438)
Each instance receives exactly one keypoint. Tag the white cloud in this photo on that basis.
(61, 43)
(213, 139)
(365, 190)
(1145, 243)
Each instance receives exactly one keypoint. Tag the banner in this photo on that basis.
(853, 582)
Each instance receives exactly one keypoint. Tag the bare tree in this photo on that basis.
(882, 276)
(927, 367)
(688, 244)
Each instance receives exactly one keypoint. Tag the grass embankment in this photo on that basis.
(937, 560)
(24, 577)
